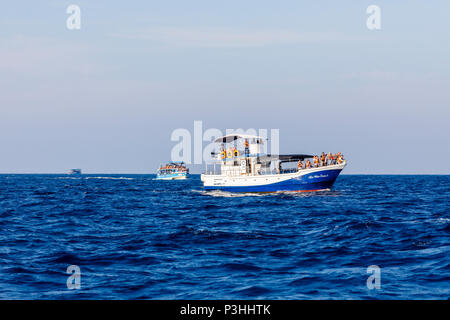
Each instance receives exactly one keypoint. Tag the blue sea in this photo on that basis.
(133, 237)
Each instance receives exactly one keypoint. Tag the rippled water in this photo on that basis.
(137, 238)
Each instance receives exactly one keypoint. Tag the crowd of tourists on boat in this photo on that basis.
(322, 161)
(174, 167)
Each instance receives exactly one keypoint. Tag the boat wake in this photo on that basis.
(226, 194)
(110, 178)
(303, 194)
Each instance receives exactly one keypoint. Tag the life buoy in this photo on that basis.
(229, 154)
(223, 154)
(236, 153)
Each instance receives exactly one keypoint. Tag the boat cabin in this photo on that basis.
(241, 154)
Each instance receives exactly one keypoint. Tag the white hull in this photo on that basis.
(178, 178)
(174, 178)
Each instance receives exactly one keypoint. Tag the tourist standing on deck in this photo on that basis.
(322, 159)
(316, 161)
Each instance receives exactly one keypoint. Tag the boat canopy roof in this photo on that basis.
(175, 162)
(284, 157)
(235, 136)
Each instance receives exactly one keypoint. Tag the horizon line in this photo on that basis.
(119, 173)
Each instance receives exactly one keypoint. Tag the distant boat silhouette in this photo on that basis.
(75, 172)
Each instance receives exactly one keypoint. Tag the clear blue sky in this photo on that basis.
(107, 97)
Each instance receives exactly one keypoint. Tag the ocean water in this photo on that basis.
(137, 238)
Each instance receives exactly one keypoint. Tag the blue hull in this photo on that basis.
(314, 181)
(170, 176)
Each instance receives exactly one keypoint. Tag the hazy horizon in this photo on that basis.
(199, 173)
(106, 98)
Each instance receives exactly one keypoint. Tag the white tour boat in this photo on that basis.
(249, 170)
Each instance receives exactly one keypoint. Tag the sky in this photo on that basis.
(107, 97)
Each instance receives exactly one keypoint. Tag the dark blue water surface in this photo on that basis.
(137, 238)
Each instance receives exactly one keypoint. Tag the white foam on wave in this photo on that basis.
(110, 178)
(105, 178)
(226, 194)
(68, 178)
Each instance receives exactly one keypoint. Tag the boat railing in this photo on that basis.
(228, 172)
(213, 170)
(232, 172)
(276, 171)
